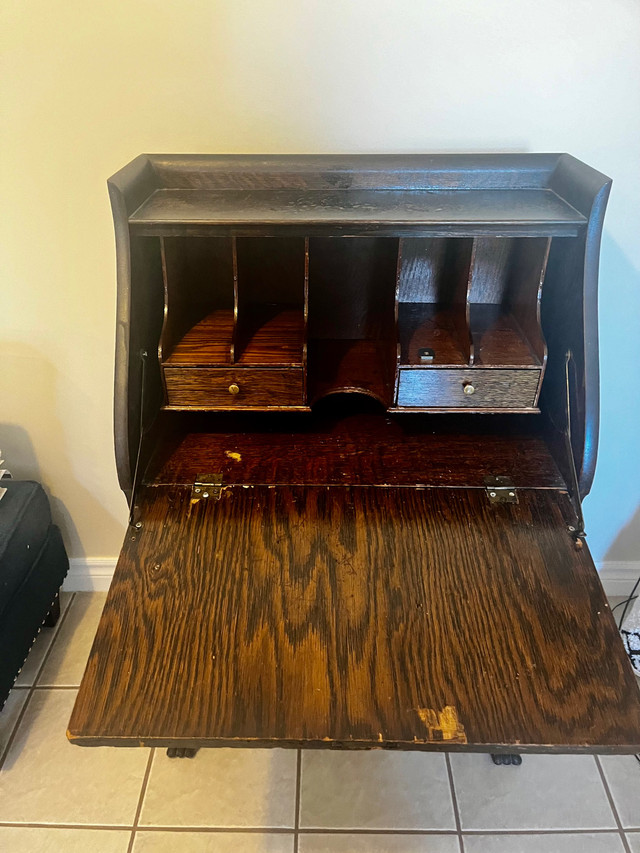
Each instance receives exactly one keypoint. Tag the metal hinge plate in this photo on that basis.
(207, 486)
(500, 490)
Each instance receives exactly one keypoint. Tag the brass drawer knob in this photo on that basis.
(234, 389)
(468, 388)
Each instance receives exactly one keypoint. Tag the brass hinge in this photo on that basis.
(500, 490)
(207, 486)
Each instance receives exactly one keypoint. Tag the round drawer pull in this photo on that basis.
(234, 389)
(468, 388)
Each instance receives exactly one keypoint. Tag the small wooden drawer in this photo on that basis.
(216, 388)
(468, 388)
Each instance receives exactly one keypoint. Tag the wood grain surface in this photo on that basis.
(346, 366)
(437, 327)
(347, 442)
(208, 342)
(535, 212)
(499, 340)
(270, 334)
(493, 389)
(357, 617)
(209, 388)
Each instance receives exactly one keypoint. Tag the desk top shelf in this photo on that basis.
(493, 212)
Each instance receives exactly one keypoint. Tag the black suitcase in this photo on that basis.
(33, 564)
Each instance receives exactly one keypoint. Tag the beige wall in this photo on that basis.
(86, 86)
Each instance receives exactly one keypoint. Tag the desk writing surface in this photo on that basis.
(357, 617)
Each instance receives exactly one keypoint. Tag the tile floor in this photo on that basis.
(57, 797)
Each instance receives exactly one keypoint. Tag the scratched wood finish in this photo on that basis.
(341, 444)
(353, 616)
(488, 211)
(203, 387)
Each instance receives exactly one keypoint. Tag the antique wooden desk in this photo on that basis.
(356, 411)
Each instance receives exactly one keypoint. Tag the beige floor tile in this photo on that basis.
(9, 715)
(375, 790)
(623, 778)
(605, 842)
(634, 841)
(36, 839)
(545, 792)
(45, 779)
(224, 788)
(354, 843)
(211, 842)
(41, 646)
(65, 665)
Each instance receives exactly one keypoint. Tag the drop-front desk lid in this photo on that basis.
(357, 616)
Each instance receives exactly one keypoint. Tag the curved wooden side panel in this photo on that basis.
(128, 188)
(570, 313)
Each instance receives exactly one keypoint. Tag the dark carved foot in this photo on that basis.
(180, 752)
(507, 760)
(54, 614)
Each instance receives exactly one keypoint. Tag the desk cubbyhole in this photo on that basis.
(198, 301)
(271, 298)
(505, 287)
(351, 316)
(432, 292)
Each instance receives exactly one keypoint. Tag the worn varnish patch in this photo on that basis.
(443, 725)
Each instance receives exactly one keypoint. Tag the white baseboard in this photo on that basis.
(90, 574)
(95, 573)
(618, 578)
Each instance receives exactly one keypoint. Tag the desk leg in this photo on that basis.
(180, 752)
(506, 759)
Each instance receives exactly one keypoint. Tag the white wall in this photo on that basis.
(87, 86)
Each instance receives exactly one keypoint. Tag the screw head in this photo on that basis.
(205, 494)
(138, 524)
(492, 494)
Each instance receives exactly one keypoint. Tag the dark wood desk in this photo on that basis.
(356, 415)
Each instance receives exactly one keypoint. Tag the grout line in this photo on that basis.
(57, 630)
(454, 800)
(32, 688)
(296, 819)
(451, 833)
(143, 791)
(12, 736)
(610, 831)
(120, 827)
(275, 830)
(612, 803)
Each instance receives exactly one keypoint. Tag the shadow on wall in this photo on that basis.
(34, 444)
(611, 510)
(626, 546)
